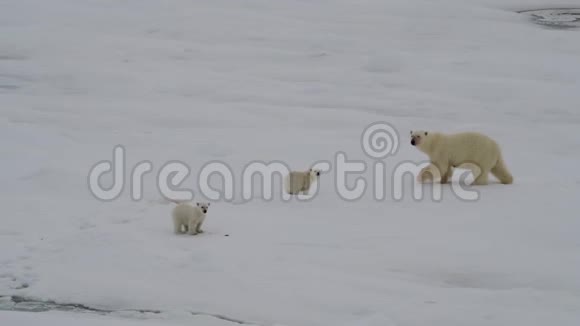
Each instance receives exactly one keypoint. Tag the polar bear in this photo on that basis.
(300, 181)
(189, 217)
(470, 150)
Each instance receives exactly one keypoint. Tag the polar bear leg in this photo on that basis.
(429, 173)
(425, 175)
(501, 172)
(444, 170)
(192, 228)
(474, 168)
(176, 225)
(198, 228)
(292, 186)
(445, 178)
(177, 228)
(482, 178)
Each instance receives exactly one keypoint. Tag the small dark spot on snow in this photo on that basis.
(152, 31)
(319, 55)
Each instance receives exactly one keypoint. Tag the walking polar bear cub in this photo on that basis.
(470, 150)
(188, 218)
(300, 181)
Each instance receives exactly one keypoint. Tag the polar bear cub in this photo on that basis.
(470, 150)
(188, 218)
(300, 181)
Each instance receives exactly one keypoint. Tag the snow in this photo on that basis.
(295, 82)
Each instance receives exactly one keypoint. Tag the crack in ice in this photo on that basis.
(20, 303)
(225, 318)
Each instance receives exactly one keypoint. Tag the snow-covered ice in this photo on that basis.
(296, 82)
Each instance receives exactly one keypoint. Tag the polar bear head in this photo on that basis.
(314, 173)
(203, 206)
(420, 139)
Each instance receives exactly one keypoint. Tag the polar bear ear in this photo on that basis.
(208, 204)
(197, 204)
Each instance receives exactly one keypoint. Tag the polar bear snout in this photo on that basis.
(203, 206)
(416, 137)
(415, 140)
(314, 172)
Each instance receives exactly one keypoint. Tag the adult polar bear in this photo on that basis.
(472, 150)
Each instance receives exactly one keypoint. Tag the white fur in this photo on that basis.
(470, 150)
(300, 181)
(188, 218)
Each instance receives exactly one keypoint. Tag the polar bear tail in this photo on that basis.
(501, 172)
